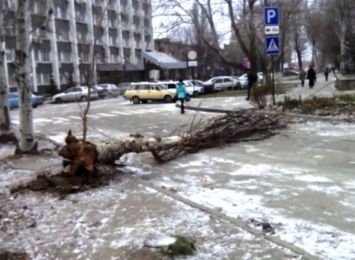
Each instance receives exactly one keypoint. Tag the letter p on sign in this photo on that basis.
(271, 16)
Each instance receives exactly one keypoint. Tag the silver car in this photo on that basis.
(75, 94)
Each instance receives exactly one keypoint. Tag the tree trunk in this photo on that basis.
(232, 127)
(27, 142)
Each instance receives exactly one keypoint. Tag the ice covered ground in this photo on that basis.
(301, 182)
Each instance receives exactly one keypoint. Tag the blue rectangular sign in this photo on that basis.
(272, 45)
(271, 16)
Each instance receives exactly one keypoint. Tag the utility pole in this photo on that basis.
(342, 36)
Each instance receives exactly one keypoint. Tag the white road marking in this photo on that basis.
(106, 115)
(41, 120)
(61, 119)
(93, 116)
(119, 113)
(75, 117)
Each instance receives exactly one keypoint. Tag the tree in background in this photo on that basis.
(6, 133)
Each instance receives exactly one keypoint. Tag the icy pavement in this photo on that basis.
(301, 182)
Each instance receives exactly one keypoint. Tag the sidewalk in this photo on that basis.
(228, 104)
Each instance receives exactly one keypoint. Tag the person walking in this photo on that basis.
(252, 78)
(311, 76)
(181, 94)
(302, 77)
(326, 73)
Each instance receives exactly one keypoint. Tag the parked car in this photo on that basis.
(14, 101)
(290, 73)
(223, 83)
(244, 79)
(75, 94)
(122, 87)
(112, 90)
(146, 91)
(197, 86)
(103, 93)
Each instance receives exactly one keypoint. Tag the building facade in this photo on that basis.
(120, 29)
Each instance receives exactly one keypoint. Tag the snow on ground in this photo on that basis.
(310, 208)
(111, 222)
(302, 185)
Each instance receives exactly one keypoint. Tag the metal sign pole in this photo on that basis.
(273, 80)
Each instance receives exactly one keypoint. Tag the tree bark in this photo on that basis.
(233, 127)
(27, 143)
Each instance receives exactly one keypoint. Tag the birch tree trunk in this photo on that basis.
(236, 126)
(27, 143)
(6, 133)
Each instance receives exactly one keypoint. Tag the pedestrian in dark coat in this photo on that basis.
(311, 76)
(252, 79)
(326, 73)
(302, 77)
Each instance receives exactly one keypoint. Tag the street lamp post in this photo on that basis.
(124, 69)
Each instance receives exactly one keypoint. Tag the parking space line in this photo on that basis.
(106, 115)
(119, 113)
(41, 120)
(75, 117)
(93, 116)
(61, 119)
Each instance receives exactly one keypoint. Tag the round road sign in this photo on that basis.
(192, 55)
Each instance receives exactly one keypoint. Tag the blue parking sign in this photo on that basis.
(271, 16)
(272, 45)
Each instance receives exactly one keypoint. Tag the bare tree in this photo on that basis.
(23, 69)
(27, 142)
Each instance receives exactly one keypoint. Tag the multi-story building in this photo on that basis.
(121, 30)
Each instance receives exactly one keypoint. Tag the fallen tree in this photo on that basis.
(233, 127)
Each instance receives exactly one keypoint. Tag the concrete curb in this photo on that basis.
(235, 221)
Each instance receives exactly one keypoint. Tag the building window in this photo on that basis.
(99, 58)
(64, 56)
(39, 78)
(43, 78)
(12, 80)
(114, 58)
(84, 57)
(10, 4)
(113, 40)
(45, 55)
(10, 54)
(60, 13)
(63, 79)
(63, 35)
